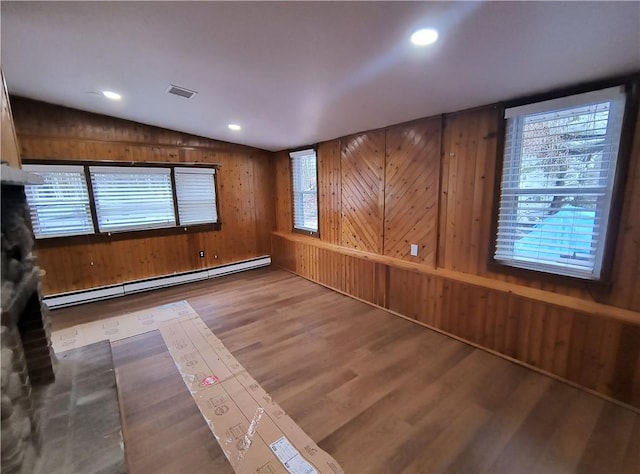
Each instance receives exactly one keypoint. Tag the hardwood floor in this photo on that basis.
(377, 392)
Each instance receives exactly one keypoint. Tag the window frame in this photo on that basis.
(176, 203)
(131, 233)
(631, 86)
(80, 170)
(120, 198)
(295, 229)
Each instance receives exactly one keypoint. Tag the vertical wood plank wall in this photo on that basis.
(430, 182)
(329, 192)
(284, 206)
(245, 194)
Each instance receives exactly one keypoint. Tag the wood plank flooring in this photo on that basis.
(379, 393)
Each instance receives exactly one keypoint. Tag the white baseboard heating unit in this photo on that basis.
(61, 300)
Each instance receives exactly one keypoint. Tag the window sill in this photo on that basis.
(309, 233)
(601, 286)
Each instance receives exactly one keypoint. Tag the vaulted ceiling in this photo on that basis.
(296, 73)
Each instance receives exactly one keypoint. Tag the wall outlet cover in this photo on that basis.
(414, 250)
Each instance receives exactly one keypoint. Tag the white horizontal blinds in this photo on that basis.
(132, 198)
(557, 181)
(196, 193)
(60, 206)
(305, 190)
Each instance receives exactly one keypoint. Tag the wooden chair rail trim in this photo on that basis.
(547, 297)
(478, 346)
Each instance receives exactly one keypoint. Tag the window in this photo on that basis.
(132, 198)
(60, 206)
(305, 190)
(123, 197)
(196, 194)
(560, 160)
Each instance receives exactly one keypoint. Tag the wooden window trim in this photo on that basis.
(133, 164)
(98, 236)
(126, 235)
(604, 283)
(294, 229)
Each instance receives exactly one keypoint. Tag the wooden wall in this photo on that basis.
(245, 194)
(362, 179)
(8, 141)
(430, 182)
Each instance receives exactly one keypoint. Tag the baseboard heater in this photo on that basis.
(61, 300)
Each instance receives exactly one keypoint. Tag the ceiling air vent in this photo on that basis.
(180, 91)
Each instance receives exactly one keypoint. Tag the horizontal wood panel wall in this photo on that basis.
(245, 194)
(437, 192)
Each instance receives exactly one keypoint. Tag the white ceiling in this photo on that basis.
(296, 73)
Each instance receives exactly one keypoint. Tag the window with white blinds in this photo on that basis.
(305, 190)
(196, 194)
(132, 198)
(557, 183)
(60, 206)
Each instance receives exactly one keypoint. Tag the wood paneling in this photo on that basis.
(263, 194)
(466, 194)
(600, 353)
(345, 273)
(626, 268)
(466, 197)
(362, 175)
(584, 333)
(245, 195)
(8, 140)
(38, 119)
(329, 191)
(283, 204)
(544, 296)
(411, 190)
(378, 393)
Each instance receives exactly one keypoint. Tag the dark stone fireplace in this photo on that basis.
(27, 357)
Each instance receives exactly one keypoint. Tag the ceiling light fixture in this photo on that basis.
(424, 37)
(111, 95)
(235, 127)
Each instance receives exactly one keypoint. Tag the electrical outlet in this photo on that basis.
(201, 253)
(414, 250)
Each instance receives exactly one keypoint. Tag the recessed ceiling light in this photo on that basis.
(235, 127)
(424, 37)
(111, 95)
